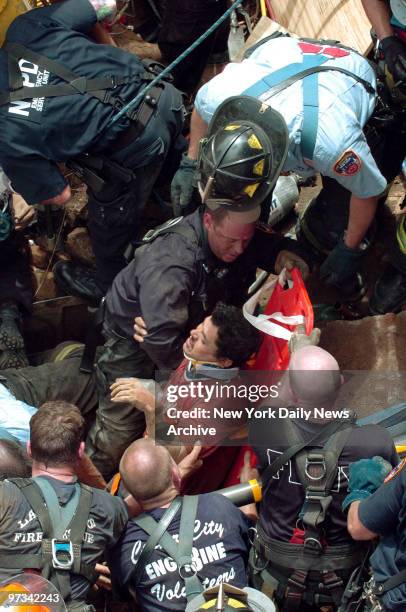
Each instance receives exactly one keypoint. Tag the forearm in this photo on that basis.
(354, 525)
(101, 36)
(378, 14)
(198, 130)
(362, 212)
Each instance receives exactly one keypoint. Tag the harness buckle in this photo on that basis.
(313, 545)
(61, 549)
(315, 460)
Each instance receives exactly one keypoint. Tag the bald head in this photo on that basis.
(314, 376)
(146, 469)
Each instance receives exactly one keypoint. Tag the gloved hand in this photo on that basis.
(183, 184)
(366, 476)
(341, 264)
(394, 51)
(289, 260)
(300, 339)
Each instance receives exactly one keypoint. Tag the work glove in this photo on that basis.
(300, 339)
(341, 264)
(287, 259)
(365, 477)
(394, 51)
(183, 184)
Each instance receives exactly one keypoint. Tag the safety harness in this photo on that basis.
(308, 71)
(307, 569)
(59, 557)
(181, 553)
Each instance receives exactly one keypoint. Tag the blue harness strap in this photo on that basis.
(310, 96)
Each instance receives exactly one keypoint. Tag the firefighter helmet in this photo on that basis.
(228, 598)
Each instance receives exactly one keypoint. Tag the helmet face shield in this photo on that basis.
(244, 152)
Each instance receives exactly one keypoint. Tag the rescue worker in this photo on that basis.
(377, 503)
(211, 532)
(388, 20)
(59, 92)
(16, 282)
(175, 279)
(51, 524)
(325, 94)
(215, 353)
(302, 551)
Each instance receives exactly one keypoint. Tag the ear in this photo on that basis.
(81, 450)
(207, 221)
(29, 449)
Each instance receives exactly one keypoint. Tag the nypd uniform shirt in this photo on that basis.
(384, 513)
(341, 151)
(20, 531)
(40, 132)
(220, 549)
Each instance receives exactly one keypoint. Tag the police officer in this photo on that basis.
(377, 509)
(184, 269)
(389, 23)
(57, 104)
(325, 114)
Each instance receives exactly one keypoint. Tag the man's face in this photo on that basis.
(227, 239)
(202, 342)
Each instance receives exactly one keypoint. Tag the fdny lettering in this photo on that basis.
(315, 49)
(348, 164)
(32, 76)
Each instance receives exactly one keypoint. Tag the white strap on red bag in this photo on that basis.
(263, 321)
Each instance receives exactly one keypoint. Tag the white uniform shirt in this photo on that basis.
(341, 151)
(15, 415)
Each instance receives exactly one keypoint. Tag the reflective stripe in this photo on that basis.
(401, 234)
(256, 490)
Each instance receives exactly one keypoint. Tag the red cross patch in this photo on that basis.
(348, 164)
(396, 470)
(315, 49)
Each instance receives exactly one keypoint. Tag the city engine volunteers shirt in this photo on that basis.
(341, 151)
(220, 550)
(20, 531)
(384, 513)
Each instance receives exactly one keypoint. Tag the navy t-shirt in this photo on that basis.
(384, 513)
(283, 500)
(220, 546)
(37, 133)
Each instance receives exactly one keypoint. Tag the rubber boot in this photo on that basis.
(78, 280)
(12, 351)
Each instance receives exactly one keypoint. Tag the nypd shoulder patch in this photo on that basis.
(396, 470)
(348, 164)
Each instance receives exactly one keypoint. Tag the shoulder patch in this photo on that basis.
(396, 470)
(348, 164)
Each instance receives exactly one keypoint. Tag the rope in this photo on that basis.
(172, 65)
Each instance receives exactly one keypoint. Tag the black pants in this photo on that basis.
(16, 280)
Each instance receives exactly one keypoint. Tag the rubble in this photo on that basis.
(79, 247)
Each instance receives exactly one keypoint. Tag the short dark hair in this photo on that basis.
(57, 429)
(237, 339)
(14, 462)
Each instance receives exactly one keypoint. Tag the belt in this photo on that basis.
(144, 113)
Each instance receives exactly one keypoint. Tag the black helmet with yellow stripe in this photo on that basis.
(243, 154)
(228, 598)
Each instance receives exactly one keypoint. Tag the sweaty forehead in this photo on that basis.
(234, 230)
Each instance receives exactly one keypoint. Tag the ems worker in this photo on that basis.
(377, 509)
(59, 91)
(178, 276)
(388, 19)
(325, 114)
(50, 523)
(16, 280)
(302, 552)
(206, 530)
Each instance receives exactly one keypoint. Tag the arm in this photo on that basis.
(60, 199)
(362, 212)
(354, 525)
(378, 14)
(198, 130)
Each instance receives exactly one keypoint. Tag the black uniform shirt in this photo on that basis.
(220, 550)
(37, 133)
(384, 513)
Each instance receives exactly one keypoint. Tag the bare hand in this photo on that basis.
(140, 329)
(132, 391)
(247, 472)
(191, 462)
(23, 214)
(289, 260)
(104, 576)
(300, 339)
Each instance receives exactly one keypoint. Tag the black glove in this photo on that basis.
(341, 265)
(394, 51)
(183, 184)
